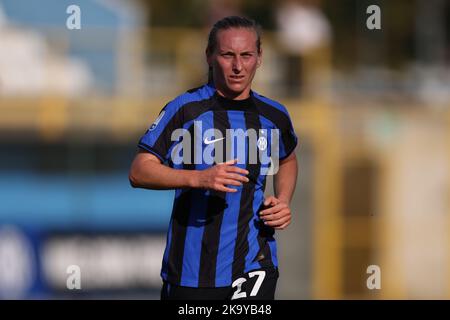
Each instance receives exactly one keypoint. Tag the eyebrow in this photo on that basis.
(230, 51)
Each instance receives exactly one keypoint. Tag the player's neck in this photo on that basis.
(234, 95)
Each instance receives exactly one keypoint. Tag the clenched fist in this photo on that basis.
(277, 215)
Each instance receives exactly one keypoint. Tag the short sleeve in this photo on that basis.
(289, 140)
(158, 138)
(277, 114)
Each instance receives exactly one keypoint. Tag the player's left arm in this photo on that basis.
(278, 213)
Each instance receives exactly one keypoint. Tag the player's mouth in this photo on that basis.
(236, 78)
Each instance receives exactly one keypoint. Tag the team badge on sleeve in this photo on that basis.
(153, 126)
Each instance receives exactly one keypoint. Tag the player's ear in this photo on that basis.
(259, 61)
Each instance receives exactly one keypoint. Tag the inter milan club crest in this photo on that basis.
(262, 143)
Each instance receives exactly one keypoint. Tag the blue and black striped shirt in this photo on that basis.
(216, 237)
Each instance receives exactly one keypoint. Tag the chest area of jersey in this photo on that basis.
(216, 137)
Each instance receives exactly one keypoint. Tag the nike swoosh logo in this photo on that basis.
(206, 141)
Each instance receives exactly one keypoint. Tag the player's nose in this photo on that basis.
(237, 65)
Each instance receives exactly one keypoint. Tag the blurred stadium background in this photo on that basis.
(371, 108)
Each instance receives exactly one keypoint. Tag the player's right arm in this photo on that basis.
(147, 171)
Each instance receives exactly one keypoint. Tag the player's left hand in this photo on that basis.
(278, 215)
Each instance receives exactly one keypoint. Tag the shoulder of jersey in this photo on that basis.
(193, 95)
(270, 102)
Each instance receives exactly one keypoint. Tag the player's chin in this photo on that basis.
(237, 86)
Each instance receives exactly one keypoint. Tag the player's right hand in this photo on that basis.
(222, 175)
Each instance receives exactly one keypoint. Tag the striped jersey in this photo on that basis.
(215, 237)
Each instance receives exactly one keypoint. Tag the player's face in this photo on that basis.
(234, 62)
